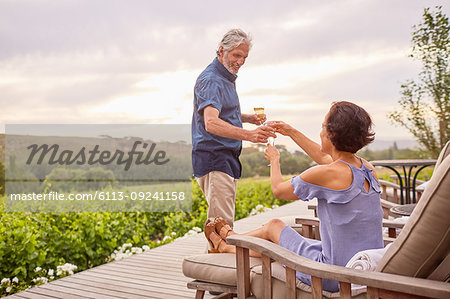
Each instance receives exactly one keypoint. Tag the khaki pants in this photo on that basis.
(220, 192)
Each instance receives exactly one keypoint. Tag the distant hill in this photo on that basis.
(380, 144)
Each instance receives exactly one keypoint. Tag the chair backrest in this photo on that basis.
(443, 154)
(425, 239)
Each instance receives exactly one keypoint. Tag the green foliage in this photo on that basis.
(254, 163)
(425, 109)
(255, 192)
(393, 153)
(85, 239)
(31, 240)
(2, 178)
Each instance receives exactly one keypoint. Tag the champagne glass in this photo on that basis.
(259, 111)
(270, 140)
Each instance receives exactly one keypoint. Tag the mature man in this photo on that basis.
(217, 131)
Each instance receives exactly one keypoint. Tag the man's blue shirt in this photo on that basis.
(215, 87)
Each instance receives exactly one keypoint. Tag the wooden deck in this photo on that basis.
(153, 274)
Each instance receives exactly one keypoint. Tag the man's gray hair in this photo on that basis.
(233, 38)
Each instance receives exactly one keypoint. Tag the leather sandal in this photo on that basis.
(220, 223)
(208, 230)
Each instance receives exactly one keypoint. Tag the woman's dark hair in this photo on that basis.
(349, 127)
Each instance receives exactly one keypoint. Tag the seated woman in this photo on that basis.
(346, 188)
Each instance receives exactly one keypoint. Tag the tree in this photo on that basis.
(425, 110)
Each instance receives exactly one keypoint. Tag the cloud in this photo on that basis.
(116, 61)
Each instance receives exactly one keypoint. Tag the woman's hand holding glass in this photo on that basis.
(280, 127)
(271, 154)
(270, 140)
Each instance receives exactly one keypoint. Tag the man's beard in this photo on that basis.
(228, 65)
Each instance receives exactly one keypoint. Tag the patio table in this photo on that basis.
(408, 186)
(403, 210)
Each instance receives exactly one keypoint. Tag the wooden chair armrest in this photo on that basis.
(314, 208)
(392, 228)
(387, 204)
(389, 184)
(392, 224)
(308, 220)
(310, 227)
(376, 282)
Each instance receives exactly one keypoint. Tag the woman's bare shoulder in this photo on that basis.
(320, 174)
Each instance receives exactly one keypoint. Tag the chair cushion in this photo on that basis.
(279, 286)
(217, 267)
(425, 239)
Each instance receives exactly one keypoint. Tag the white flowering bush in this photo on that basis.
(40, 280)
(65, 270)
(193, 231)
(43, 276)
(127, 250)
(7, 285)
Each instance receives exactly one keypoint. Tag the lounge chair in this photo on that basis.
(417, 264)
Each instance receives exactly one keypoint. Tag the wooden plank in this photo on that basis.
(290, 283)
(199, 294)
(175, 249)
(316, 285)
(156, 260)
(170, 279)
(166, 257)
(267, 276)
(33, 294)
(345, 290)
(107, 274)
(144, 273)
(45, 290)
(392, 232)
(14, 296)
(154, 264)
(101, 289)
(138, 288)
(119, 275)
(307, 231)
(386, 294)
(243, 272)
(63, 291)
(208, 286)
(145, 269)
(174, 253)
(136, 281)
(373, 293)
(149, 267)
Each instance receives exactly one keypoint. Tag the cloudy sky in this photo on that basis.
(110, 61)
